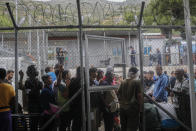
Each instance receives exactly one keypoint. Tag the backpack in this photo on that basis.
(152, 117)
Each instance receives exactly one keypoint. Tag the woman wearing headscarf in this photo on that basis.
(109, 101)
(130, 99)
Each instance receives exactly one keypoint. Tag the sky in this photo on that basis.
(107, 0)
(117, 0)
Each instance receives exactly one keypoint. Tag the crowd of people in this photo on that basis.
(124, 105)
(171, 92)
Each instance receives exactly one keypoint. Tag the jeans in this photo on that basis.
(108, 121)
(5, 121)
(129, 120)
(133, 63)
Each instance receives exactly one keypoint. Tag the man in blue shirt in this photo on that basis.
(160, 93)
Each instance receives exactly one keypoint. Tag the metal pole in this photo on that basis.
(104, 46)
(105, 38)
(129, 39)
(102, 88)
(45, 27)
(29, 43)
(87, 83)
(2, 40)
(16, 70)
(123, 59)
(6, 28)
(141, 57)
(78, 43)
(16, 56)
(141, 63)
(12, 17)
(190, 61)
(38, 54)
(94, 26)
(44, 50)
(81, 65)
(82, 81)
(30, 40)
(16, 4)
(128, 63)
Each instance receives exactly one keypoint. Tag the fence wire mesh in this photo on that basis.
(166, 47)
(47, 48)
(43, 49)
(168, 50)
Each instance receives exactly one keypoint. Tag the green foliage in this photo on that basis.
(5, 21)
(129, 14)
(193, 19)
(129, 17)
(168, 12)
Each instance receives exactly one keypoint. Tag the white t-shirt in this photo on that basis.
(169, 107)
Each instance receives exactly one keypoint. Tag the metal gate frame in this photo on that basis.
(87, 79)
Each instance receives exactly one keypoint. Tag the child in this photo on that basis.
(47, 99)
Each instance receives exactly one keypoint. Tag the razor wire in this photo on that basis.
(65, 13)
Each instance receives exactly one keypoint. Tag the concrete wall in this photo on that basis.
(97, 50)
(112, 49)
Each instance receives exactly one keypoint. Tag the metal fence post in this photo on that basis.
(29, 37)
(104, 45)
(38, 54)
(2, 40)
(16, 4)
(44, 50)
(16, 70)
(141, 65)
(124, 59)
(81, 65)
(46, 34)
(190, 62)
(87, 83)
(141, 56)
(16, 56)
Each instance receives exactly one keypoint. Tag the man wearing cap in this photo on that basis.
(160, 93)
(130, 99)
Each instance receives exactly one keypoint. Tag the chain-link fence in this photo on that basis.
(170, 52)
(49, 48)
(105, 48)
(31, 51)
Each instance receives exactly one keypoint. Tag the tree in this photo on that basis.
(168, 12)
(130, 14)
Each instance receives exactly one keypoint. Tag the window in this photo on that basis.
(147, 50)
(51, 53)
(117, 51)
(114, 51)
